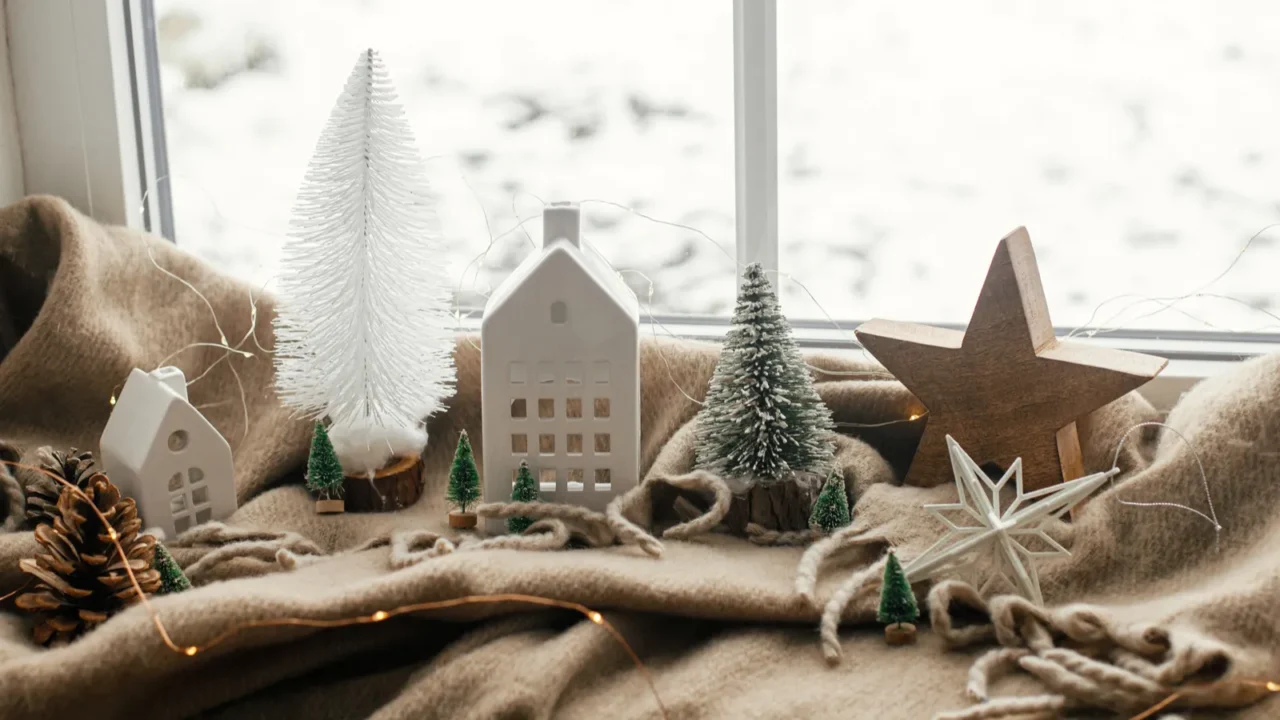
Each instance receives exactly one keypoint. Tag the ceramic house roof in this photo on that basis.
(585, 258)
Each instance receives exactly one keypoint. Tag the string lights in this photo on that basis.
(377, 616)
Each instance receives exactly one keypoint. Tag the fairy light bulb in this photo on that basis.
(596, 617)
(191, 650)
(379, 616)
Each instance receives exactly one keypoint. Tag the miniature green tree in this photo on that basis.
(762, 419)
(464, 479)
(324, 472)
(525, 490)
(831, 509)
(172, 579)
(897, 602)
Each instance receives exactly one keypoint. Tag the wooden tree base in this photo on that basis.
(394, 487)
(461, 520)
(325, 507)
(900, 634)
(783, 505)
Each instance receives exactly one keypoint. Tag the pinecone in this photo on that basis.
(80, 577)
(43, 492)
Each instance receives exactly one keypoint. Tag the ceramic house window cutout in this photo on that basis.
(572, 326)
(158, 449)
(559, 313)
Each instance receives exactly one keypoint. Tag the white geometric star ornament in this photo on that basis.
(998, 532)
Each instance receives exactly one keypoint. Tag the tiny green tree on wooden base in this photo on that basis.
(464, 484)
(897, 604)
(831, 509)
(172, 579)
(525, 490)
(324, 473)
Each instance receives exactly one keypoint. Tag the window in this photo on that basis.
(546, 408)
(602, 443)
(547, 480)
(573, 373)
(519, 444)
(603, 480)
(573, 443)
(546, 373)
(546, 444)
(498, 93)
(573, 408)
(518, 373)
(601, 408)
(882, 151)
(519, 409)
(575, 476)
(909, 143)
(559, 313)
(600, 371)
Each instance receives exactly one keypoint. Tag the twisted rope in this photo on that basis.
(858, 582)
(231, 544)
(1113, 671)
(759, 535)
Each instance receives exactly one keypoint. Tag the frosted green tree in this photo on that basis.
(172, 579)
(762, 419)
(897, 602)
(525, 490)
(324, 472)
(831, 509)
(464, 480)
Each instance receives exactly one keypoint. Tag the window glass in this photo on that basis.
(512, 104)
(1135, 139)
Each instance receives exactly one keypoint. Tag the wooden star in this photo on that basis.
(1005, 387)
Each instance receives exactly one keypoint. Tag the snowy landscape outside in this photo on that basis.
(1136, 140)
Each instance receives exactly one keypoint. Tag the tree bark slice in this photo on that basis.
(783, 505)
(392, 488)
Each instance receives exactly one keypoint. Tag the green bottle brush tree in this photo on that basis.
(898, 608)
(464, 485)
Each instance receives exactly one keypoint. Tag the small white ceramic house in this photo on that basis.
(158, 449)
(560, 369)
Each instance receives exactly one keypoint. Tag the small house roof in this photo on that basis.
(586, 258)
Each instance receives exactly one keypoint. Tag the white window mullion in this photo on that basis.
(74, 98)
(755, 92)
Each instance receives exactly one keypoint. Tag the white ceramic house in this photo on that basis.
(158, 449)
(560, 369)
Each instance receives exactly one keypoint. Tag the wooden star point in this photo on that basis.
(1005, 387)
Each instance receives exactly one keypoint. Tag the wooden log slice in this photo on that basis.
(900, 634)
(461, 520)
(392, 488)
(325, 507)
(783, 505)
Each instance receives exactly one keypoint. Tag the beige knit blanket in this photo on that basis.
(1151, 600)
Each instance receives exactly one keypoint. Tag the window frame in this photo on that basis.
(86, 93)
(87, 97)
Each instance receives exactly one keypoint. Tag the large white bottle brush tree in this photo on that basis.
(364, 336)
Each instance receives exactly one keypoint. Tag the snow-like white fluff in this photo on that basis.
(364, 449)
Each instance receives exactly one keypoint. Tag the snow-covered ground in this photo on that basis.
(1136, 140)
